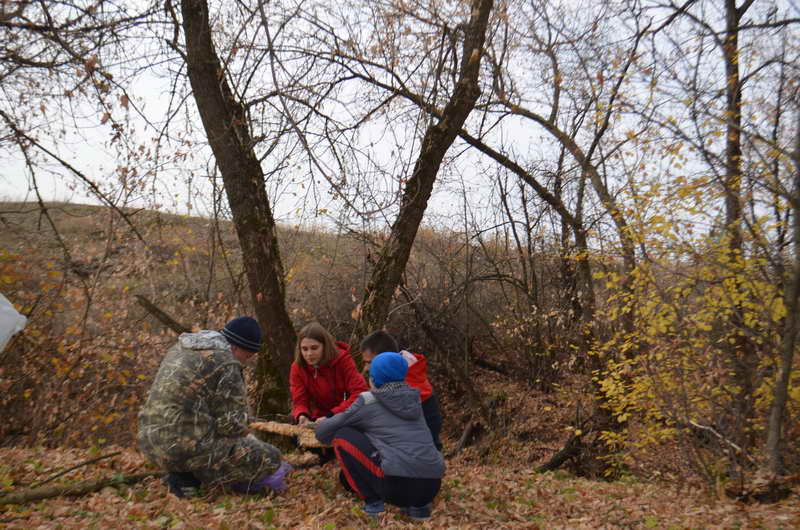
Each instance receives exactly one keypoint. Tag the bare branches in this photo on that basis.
(91, 184)
(438, 138)
(228, 132)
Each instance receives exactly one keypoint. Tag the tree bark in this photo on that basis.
(388, 271)
(225, 123)
(733, 143)
(741, 354)
(789, 339)
(305, 435)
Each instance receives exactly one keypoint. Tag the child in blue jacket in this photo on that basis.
(383, 444)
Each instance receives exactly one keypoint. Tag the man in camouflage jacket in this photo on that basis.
(195, 419)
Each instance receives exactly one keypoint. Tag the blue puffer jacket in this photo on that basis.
(391, 418)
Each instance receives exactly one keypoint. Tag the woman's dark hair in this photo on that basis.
(379, 342)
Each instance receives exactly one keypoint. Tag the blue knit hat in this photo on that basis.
(387, 367)
(243, 332)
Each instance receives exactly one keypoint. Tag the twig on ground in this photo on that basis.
(727, 442)
(73, 468)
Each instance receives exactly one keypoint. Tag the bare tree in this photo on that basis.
(225, 121)
(730, 60)
(55, 65)
(388, 270)
(774, 461)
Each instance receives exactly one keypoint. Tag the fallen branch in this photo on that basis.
(483, 363)
(573, 445)
(302, 461)
(31, 513)
(305, 435)
(71, 490)
(721, 438)
(570, 449)
(73, 468)
(163, 317)
(474, 427)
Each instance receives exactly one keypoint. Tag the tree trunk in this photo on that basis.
(733, 144)
(789, 339)
(225, 123)
(584, 267)
(388, 271)
(744, 361)
(585, 281)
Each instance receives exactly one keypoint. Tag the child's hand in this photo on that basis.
(319, 420)
(303, 420)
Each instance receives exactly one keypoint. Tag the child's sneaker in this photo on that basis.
(418, 513)
(374, 509)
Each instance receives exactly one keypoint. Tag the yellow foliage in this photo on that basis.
(678, 364)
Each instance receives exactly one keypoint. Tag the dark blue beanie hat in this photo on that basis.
(387, 367)
(243, 332)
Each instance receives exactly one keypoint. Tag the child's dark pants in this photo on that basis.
(433, 418)
(362, 474)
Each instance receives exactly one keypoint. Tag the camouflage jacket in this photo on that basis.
(198, 396)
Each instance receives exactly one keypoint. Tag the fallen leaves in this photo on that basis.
(472, 496)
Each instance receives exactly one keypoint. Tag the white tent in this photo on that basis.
(11, 322)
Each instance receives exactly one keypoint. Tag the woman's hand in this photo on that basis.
(303, 420)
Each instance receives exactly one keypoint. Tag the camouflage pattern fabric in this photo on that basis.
(241, 460)
(195, 417)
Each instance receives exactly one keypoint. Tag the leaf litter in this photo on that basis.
(473, 495)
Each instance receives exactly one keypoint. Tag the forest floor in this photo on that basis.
(472, 496)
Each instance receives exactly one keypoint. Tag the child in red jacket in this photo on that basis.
(323, 379)
(417, 377)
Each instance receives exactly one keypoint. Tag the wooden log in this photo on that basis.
(70, 490)
(302, 461)
(473, 428)
(305, 435)
(571, 448)
(161, 315)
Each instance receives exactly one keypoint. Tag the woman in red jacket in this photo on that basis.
(324, 379)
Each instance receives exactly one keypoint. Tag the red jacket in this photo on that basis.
(417, 376)
(330, 388)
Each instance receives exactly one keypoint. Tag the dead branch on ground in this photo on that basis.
(305, 435)
(73, 468)
(162, 316)
(71, 490)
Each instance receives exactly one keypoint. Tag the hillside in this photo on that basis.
(73, 381)
(81, 288)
